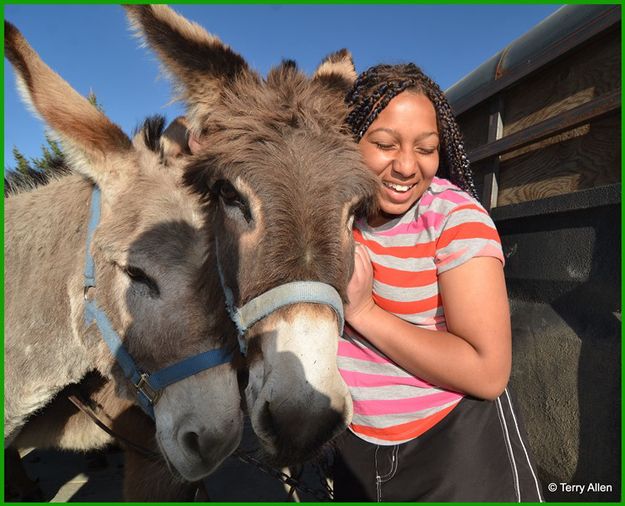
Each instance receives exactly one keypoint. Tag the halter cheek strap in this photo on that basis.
(148, 385)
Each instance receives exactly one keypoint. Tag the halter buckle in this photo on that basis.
(87, 291)
(146, 389)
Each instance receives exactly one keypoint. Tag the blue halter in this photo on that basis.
(148, 385)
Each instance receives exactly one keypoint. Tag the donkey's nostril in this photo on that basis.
(191, 441)
(199, 444)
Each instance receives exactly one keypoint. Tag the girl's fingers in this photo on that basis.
(365, 260)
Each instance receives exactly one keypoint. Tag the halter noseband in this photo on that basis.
(148, 385)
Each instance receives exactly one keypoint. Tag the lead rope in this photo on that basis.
(293, 483)
(85, 406)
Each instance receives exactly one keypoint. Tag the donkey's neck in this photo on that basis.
(45, 241)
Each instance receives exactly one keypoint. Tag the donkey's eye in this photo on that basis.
(137, 275)
(229, 195)
(232, 198)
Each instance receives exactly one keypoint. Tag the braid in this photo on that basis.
(378, 85)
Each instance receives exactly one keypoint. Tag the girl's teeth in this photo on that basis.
(398, 187)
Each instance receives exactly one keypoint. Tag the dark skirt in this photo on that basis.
(478, 452)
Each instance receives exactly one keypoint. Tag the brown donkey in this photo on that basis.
(149, 252)
(281, 180)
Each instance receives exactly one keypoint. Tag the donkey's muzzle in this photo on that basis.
(298, 401)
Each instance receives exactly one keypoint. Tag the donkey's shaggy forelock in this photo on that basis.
(286, 99)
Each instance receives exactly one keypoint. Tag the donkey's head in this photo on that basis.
(149, 250)
(282, 180)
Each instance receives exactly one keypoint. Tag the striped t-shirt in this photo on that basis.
(445, 228)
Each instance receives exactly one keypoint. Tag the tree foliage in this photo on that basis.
(38, 170)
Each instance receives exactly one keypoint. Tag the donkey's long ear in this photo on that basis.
(86, 133)
(337, 71)
(200, 64)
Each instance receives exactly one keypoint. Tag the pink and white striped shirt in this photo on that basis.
(445, 228)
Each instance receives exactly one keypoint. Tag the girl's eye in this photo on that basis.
(380, 145)
(427, 151)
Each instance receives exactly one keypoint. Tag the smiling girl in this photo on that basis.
(427, 350)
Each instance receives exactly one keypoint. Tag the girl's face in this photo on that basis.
(401, 148)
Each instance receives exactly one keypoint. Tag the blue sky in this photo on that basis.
(91, 47)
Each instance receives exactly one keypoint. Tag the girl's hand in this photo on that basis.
(360, 288)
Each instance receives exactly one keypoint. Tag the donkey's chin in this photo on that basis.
(195, 454)
(285, 442)
(285, 455)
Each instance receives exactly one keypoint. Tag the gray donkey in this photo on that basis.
(148, 254)
(281, 180)
(61, 424)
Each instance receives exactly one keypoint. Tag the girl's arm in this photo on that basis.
(473, 356)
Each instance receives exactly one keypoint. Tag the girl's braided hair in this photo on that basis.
(375, 88)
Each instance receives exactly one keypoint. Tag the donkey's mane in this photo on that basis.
(151, 131)
(31, 179)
